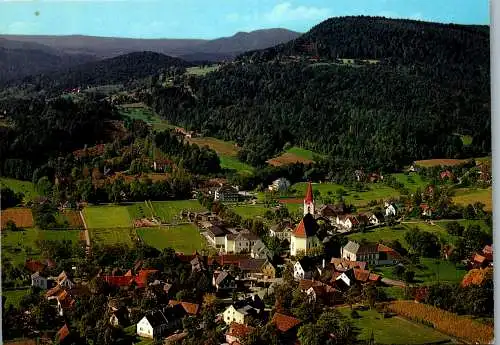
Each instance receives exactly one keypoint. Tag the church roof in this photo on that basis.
(307, 227)
(309, 194)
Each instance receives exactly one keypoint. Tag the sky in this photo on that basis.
(208, 19)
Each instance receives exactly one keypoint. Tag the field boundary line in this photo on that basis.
(87, 236)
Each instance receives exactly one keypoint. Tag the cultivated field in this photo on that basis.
(107, 217)
(440, 162)
(200, 71)
(112, 236)
(376, 192)
(227, 152)
(18, 186)
(411, 181)
(288, 158)
(393, 330)
(140, 111)
(19, 245)
(169, 211)
(222, 147)
(183, 238)
(23, 217)
(14, 297)
(470, 196)
(457, 326)
(74, 219)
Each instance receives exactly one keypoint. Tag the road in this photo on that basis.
(87, 237)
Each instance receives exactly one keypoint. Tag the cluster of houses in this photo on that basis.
(481, 259)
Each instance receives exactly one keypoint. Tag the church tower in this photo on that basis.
(309, 200)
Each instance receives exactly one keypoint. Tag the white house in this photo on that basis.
(372, 218)
(152, 325)
(217, 236)
(374, 254)
(238, 315)
(226, 193)
(303, 269)
(64, 281)
(348, 222)
(390, 210)
(40, 281)
(279, 185)
(283, 230)
(241, 242)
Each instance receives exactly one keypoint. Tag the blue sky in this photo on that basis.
(213, 18)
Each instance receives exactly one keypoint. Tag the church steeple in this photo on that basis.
(309, 200)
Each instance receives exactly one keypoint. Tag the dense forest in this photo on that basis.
(121, 69)
(414, 104)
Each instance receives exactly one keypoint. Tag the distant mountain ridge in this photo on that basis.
(21, 56)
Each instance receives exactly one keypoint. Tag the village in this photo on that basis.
(244, 274)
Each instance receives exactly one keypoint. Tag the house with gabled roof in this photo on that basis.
(222, 280)
(152, 325)
(216, 234)
(189, 308)
(373, 253)
(304, 268)
(260, 251)
(342, 265)
(237, 332)
(241, 311)
(64, 281)
(283, 230)
(41, 281)
(198, 263)
(64, 335)
(285, 324)
(241, 242)
(347, 221)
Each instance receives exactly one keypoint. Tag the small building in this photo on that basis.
(217, 236)
(119, 317)
(254, 268)
(342, 265)
(260, 251)
(239, 313)
(374, 254)
(304, 268)
(152, 325)
(279, 185)
(192, 309)
(286, 325)
(283, 231)
(390, 210)
(41, 281)
(241, 242)
(226, 194)
(222, 280)
(347, 221)
(237, 332)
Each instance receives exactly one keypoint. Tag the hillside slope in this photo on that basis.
(409, 106)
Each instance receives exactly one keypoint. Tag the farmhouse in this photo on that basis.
(283, 230)
(374, 254)
(152, 325)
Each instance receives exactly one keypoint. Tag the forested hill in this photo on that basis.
(120, 69)
(394, 40)
(430, 87)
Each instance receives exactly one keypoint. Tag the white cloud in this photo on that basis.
(286, 12)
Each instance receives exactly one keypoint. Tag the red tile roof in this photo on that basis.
(238, 330)
(284, 323)
(479, 258)
(389, 251)
(118, 280)
(309, 194)
(361, 275)
(141, 279)
(34, 266)
(190, 308)
(62, 333)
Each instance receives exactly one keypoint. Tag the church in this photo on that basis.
(304, 237)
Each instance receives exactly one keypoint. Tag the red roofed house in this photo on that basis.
(237, 332)
(304, 237)
(447, 175)
(284, 323)
(140, 279)
(189, 308)
(63, 335)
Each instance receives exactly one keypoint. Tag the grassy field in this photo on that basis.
(139, 111)
(431, 271)
(233, 163)
(393, 330)
(200, 71)
(183, 238)
(18, 186)
(466, 139)
(19, 245)
(169, 211)
(139, 210)
(300, 152)
(14, 297)
(250, 211)
(466, 222)
(376, 192)
(227, 152)
(470, 196)
(107, 217)
(289, 158)
(412, 181)
(112, 236)
(397, 232)
(440, 162)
